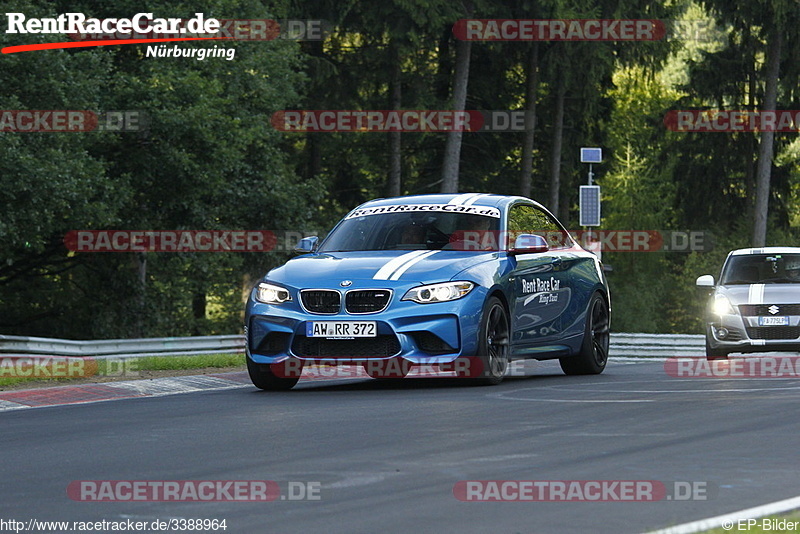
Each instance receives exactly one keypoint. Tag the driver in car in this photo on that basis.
(413, 234)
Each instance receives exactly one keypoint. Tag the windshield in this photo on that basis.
(762, 269)
(414, 231)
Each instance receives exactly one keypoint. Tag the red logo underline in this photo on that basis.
(81, 44)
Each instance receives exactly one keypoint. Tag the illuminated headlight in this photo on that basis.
(439, 292)
(269, 294)
(722, 306)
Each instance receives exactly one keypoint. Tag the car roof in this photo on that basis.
(469, 199)
(765, 250)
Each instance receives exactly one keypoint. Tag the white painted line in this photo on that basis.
(8, 405)
(142, 389)
(730, 520)
(632, 401)
(158, 387)
(508, 395)
(634, 359)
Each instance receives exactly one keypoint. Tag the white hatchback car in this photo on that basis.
(755, 305)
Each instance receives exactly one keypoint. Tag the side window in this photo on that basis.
(525, 219)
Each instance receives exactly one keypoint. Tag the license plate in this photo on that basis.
(341, 329)
(773, 321)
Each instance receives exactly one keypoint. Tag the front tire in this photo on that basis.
(493, 344)
(593, 356)
(263, 378)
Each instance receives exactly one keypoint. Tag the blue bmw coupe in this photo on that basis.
(464, 282)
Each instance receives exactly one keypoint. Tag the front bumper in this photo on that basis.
(737, 333)
(418, 333)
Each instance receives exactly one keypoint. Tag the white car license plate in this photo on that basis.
(773, 321)
(341, 329)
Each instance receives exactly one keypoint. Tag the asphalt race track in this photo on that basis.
(387, 454)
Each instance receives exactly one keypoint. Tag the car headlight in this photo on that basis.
(722, 306)
(439, 292)
(270, 294)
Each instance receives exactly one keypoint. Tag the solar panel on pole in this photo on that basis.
(589, 205)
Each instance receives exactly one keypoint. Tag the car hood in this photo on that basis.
(762, 293)
(386, 267)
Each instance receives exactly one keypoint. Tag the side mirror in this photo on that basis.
(307, 244)
(706, 281)
(529, 244)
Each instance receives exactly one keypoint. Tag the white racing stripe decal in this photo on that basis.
(386, 271)
(410, 263)
(471, 201)
(395, 268)
(462, 199)
(755, 294)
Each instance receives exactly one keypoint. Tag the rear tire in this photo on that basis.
(593, 356)
(263, 378)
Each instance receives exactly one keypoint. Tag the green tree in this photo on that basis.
(210, 160)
